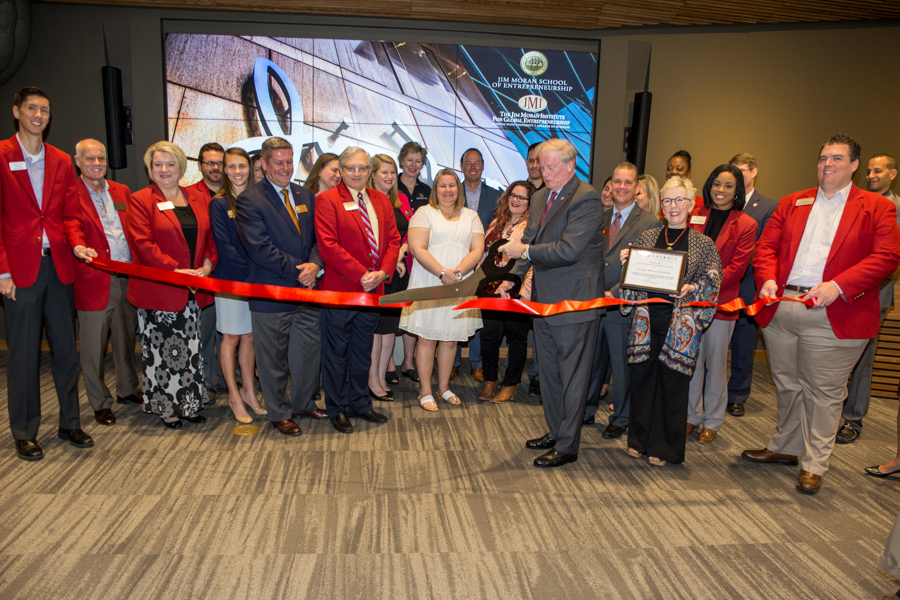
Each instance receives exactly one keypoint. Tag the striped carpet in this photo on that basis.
(433, 505)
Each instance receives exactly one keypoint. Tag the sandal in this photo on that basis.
(656, 462)
(448, 394)
(429, 400)
(633, 453)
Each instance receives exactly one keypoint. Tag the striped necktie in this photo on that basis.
(291, 211)
(370, 233)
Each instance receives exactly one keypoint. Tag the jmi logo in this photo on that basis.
(534, 63)
(532, 103)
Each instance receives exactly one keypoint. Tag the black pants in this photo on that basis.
(347, 337)
(49, 303)
(659, 401)
(515, 327)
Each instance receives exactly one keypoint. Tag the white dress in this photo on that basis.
(448, 243)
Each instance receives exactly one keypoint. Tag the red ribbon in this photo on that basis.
(237, 288)
(546, 310)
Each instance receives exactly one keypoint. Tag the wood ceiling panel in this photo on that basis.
(573, 14)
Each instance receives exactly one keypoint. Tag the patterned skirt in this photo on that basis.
(173, 366)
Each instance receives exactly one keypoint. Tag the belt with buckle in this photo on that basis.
(45, 251)
(798, 288)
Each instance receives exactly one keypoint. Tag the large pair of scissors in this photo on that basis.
(474, 285)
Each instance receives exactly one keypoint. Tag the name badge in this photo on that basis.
(17, 166)
(165, 205)
(698, 220)
(606, 232)
(805, 201)
(302, 209)
(119, 206)
(348, 206)
(230, 214)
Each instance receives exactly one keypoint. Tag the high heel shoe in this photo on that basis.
(257, 410)
(173, 424)
(389, 397)
(195, 419)
(391, 378)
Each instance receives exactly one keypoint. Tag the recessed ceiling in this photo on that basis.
(573, 14)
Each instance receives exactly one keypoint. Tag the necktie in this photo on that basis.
(291, 211)
(614, 230)
(547, 208)
(370, 233)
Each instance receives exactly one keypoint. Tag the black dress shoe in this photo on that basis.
(373, 417)
(391, 378)
(590, 420)
(132, 399)
(534, 388)
(389, 397)
(173, 424)
(554, 459)
(846, 434)
(876, 472)
(735, 410)
(541, 443)
(29, 450)
(76, 437)
(104, 416)
(613, 431)
(342, 423)
(195, 419)
(411, 374)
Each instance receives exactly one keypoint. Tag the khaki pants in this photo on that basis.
(810, 367)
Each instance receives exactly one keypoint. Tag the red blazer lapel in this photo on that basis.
(799, 216)
(852, 210)
(727, 230)
(15, 155)
(88, 208)
(346, 196)
(699, 211)
(51, 164)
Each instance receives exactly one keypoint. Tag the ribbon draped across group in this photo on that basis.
(369, 300)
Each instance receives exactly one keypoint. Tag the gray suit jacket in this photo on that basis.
(564, 250)
(886, 294)
(760, 208)
(638, 222)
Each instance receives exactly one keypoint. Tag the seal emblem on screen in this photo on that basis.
(534, 63)
(532, 103)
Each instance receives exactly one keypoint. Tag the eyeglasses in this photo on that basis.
(518, 197)
(671, 201)
(356, 168)
(212, 163)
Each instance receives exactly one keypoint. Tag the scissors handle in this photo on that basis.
(494, 274)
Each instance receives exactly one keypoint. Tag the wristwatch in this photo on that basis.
(525, 252)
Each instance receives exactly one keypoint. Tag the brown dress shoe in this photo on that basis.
(287, 427)
(690, 429)
(507, 393)
(453, 374)
(316, 414)
(104, 416)
(487, 390)
(809, 482)
(477, 374)
(767, 456)
(706, 436)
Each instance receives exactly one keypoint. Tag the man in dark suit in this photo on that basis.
(104, 313)
(880, 173)
(359, 244)
(622, 224)
(211, 160)
(39, 214)
(743, 340)
(275, 226)
(832, 245)
(562, 241)
(481, 198)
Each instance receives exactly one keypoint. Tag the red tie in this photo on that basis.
(547, 208)
(616, 226)
(370, 233)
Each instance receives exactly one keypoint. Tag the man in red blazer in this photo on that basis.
(833, 245)
(104, 313)
(211, 158)
(39, 213)
(359, 244)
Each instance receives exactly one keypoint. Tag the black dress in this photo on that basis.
(389, 322)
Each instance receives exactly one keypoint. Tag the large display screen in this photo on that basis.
(324, 95)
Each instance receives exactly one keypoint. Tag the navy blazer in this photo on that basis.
(760, 208)
(487, 202)
(233, 263)
(273, 244)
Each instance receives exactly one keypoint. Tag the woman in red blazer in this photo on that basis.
(722, 218)
(168, 227)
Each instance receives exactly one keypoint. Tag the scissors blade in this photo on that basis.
(464, 289)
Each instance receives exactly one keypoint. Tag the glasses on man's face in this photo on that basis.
(519, 198)
(356, 168)
(671, 201)
(212, 163)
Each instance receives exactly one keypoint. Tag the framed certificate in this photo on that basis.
(654, 270)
